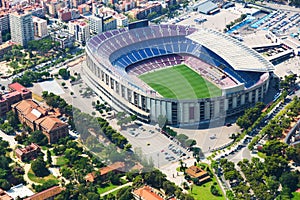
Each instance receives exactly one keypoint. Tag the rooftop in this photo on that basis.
(239, 56)
(197, 172)
(29, 148)
(112, 167)
(18, 87)
(50, 123)
(4, 196)
(19, 191)
(147, 193)
(46, 194)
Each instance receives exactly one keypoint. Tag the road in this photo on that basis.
(9, 138)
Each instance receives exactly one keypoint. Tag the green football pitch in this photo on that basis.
(180, 82)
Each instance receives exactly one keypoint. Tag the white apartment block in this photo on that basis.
(40, 27)
(80, 29)
(122, 20)
(96, 24)
(21, 28)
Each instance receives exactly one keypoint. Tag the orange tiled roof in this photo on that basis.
(4, 196)
(51, 123)
(137, 166)
(51, 192)
(195, 171)
(90, 177)
(31, 117)
(29, 148)
(25, 106)
(112, 167)
(147, 193)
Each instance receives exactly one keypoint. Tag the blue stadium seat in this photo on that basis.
(155, 51)
(138, 57)
(148, 52)
(131, 57)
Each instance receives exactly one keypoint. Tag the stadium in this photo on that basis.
(189, 75)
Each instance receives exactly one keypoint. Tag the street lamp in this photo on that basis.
(158, 160)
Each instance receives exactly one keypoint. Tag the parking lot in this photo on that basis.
(280, 21)
(154, 145)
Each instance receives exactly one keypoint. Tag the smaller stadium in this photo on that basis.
(189, 75)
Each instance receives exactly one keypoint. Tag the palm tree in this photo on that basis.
(181, 165)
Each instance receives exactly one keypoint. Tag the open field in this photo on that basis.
(180, 82)
(40, 180)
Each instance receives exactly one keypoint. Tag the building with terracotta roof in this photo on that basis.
(29, 152)
(40, 118)
(17, 92)
(53, 128)
(116, 167)
(48, 194)
(25, 93)
(4, 195)
(147, 193)
(198, 173)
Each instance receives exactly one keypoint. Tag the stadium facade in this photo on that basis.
(116, 58)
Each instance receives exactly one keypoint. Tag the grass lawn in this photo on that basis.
(180, 82)
(41, 180)
(44, 148)
(61, 161)
(296, 196)
(203, 192)
(106, 188)
(52, 152)
(115, 192)
(261, 154)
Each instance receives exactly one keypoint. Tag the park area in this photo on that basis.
(180, 82)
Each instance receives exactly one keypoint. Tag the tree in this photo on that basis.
(151, 15)
(181, 138)
(124, 194)
(12, 119)
(214, 190)
(39, 168)
(289, 180)
(64, 73)
(49, 158)
(162, 121)
(38, 137)
(4, 184)
(190, 142)
(92, 196)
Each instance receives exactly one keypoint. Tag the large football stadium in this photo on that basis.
(188, 75)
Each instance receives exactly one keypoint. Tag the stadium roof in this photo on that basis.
(239, 56)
